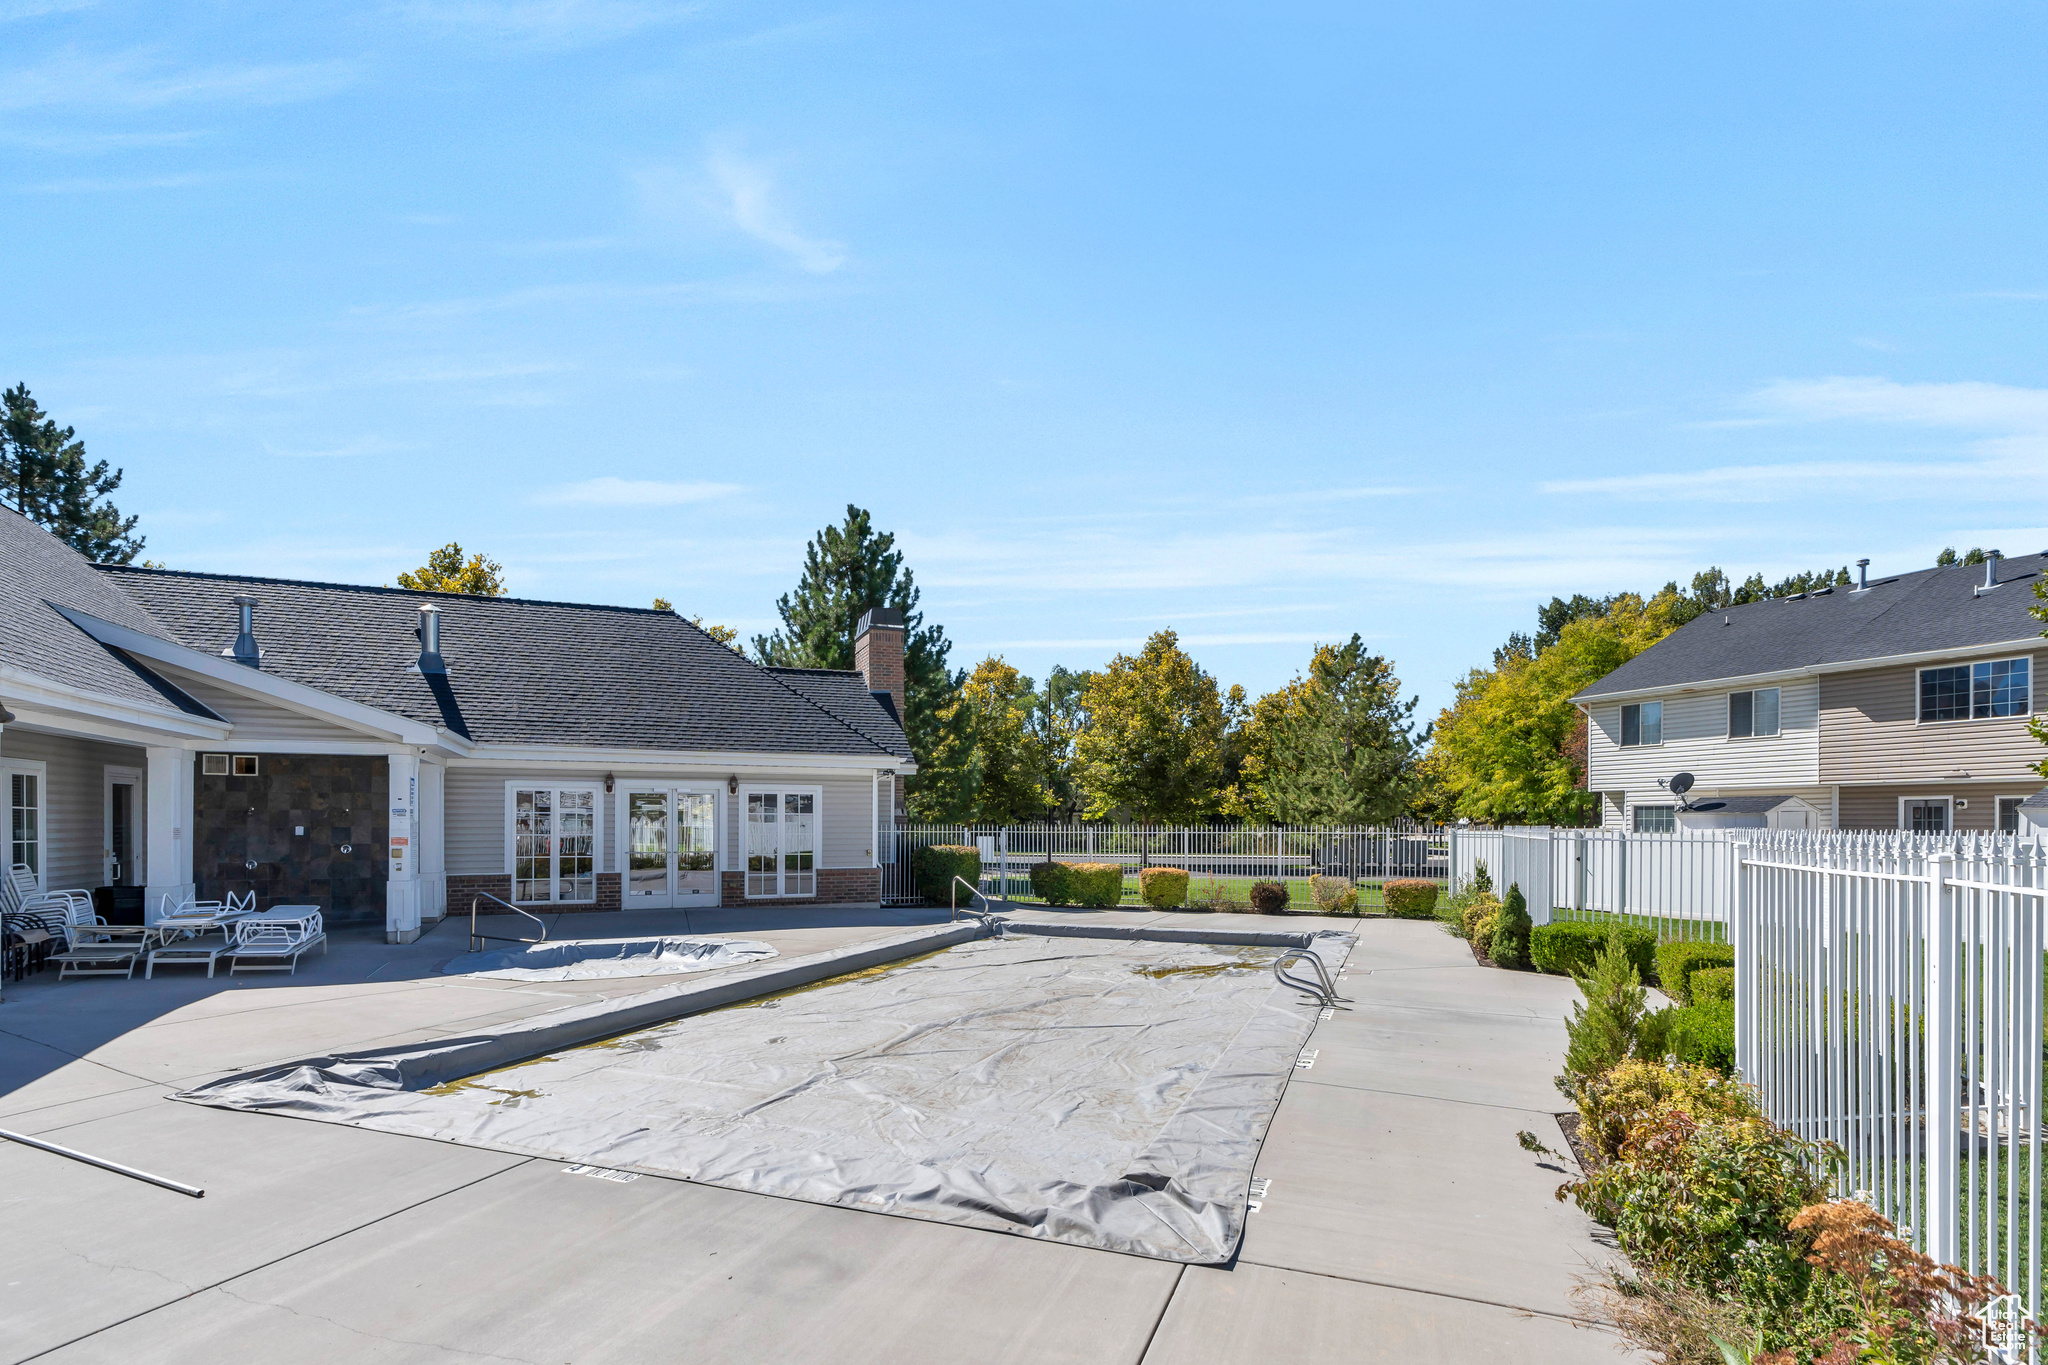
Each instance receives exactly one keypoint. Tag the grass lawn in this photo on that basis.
(1667, 930)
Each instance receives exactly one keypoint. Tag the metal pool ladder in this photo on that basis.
(476, 939)
(1322, 989)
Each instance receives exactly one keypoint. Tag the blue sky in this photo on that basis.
(1269, 324)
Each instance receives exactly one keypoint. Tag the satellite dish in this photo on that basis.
(1681, 784)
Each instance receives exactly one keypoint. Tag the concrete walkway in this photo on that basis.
(1402, 1222)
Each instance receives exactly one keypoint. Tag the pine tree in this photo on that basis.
(848, 571)
(1345, 754)
(1604, 1027)
(50, 483)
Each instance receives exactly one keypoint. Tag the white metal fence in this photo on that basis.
(1235, 856)
(1889, 1000)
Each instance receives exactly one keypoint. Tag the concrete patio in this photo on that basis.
(1402, 1223)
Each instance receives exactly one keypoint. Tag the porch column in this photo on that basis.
(402, 886)
(432, 856)
(167, 830)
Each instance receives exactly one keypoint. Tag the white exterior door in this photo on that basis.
(121, 866)
(782, 843)
(670, 850)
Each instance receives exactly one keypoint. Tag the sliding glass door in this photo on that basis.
(671, 847)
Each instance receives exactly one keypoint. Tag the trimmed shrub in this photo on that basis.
(938, 864)
(1098, 885)
(1481, 907)
(1053, 883)
(1163, 887)
(1409, 898)
(1704, 1034)
(1568, 947)
(1269, 898)
(1678, 961)
(1510, 947)
(1333, 895)
(1482, 933)
(1710, 984)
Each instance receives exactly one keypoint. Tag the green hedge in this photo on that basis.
(1569, 947)
(938, 864)
(1053, 883)
(1164, 888)
(1409, 898)
(1100, 885)
(1705, 1034)
(1711, 984)
(1676, 962)
(1269, 898)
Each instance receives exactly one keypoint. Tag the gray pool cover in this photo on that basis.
(1082, 1085)
(604, 958)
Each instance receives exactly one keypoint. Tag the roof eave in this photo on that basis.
(1814, 670)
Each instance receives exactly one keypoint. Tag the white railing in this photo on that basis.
(1889, 1000)
(1236, 856)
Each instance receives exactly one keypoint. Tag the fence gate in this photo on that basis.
(1889, 1000)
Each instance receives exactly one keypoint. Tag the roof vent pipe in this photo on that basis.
(245, 651)
(430, 642)
(1863, 575)
(1991, 568)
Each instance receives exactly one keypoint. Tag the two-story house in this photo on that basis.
(1900, 703)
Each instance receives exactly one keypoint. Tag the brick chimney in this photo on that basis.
(878, 654)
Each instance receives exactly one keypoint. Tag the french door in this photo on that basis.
(782, 843)
(671, 847)
(554, 844)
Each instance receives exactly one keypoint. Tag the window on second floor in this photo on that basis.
(1753, 714)
(1642, 723)
(1997, 687)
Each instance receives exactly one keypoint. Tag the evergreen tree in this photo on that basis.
(1153, 744)
(848, 570)
(50, 483)
(1345, 753)
(1606, 1026)
(987, 767)
(1056, 718)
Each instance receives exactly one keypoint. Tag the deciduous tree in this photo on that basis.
(1153, 744)
(446, 570)
(988, 767)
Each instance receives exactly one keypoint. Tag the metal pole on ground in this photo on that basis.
(116, 1167)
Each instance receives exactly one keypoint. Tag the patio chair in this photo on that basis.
(274, 941)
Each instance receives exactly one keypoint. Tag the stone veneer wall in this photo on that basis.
(338, 864)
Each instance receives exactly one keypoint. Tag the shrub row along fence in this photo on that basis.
(1221, 863)
(1675, 884)
(1889, 999)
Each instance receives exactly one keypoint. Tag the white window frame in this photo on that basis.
(36, 768)
(1972, 665)
(1621, 725)
(623, 838)
(513, 786)
(1948, 801)
(741, 854)
(1998, 801)
(1752, 693)
(1635, 819)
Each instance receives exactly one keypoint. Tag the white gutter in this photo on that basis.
(59, 699)
(585, 755)
(2028, 643)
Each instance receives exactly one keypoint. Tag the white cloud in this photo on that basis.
(547, 22)
(1742, 483)
(1965, 406)
(36, 9)
(139, 80)
(610, 491)
(365, 445)
(122, 184)
(92, 144)
(747, 195)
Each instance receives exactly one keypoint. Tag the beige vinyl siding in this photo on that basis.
(258, 720)
(1878, 807)
(1870, 733)
(74, 801)
(473, 827)
(1696, 741)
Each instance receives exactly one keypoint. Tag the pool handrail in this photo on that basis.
(476, 939)
(953, 894)
(1322, 991)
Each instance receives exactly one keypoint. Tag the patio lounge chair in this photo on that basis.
(275, 940)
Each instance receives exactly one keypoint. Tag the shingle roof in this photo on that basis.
(1914, 613)
(519, 671)
(844, 692)
(38, 570)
